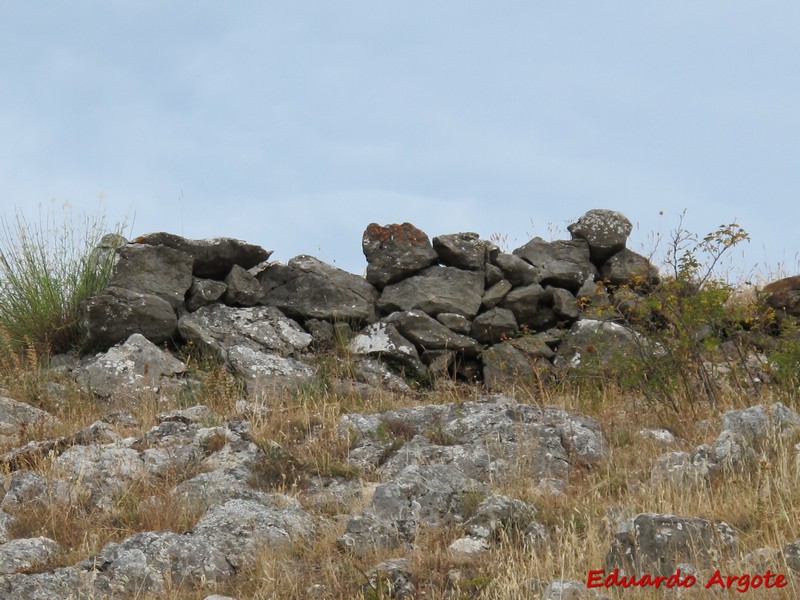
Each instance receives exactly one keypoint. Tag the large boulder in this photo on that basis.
(659, 543)
(156, 270)
(308, 288)
(606, 232)
(117, 313)
(461, 250)
(784, 295)
(436, 290)
(627, 267)
(134, 367)
(255, 342)
(603, 344)
(211, 259)
(562, 263)
(505, 368)
(395, 251)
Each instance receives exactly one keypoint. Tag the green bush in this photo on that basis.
(47, 267)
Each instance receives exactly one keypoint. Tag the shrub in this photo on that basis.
(47, 268)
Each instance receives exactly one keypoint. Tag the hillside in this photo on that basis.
(565, 420)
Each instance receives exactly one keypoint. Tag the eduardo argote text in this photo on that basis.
(741, 583)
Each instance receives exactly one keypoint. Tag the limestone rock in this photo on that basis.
(16, 415)
(242, 288)
(308, 288)
(428, 334)
(456, 323)
(156, 270)
(524, 302)
(517, 271)
(213, 258)
(626, 267)
(494, 326)
(606, 232)
(137, 366)
(562, 263)
(658, 543)
(436, 290)
(395, 251)
(204, 292)
(383, 340)
(495, 294)
(239, 528)
(17, 555)
(117, 313)
(602, 344)
(461, 250)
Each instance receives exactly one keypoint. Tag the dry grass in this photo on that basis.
(300, 435)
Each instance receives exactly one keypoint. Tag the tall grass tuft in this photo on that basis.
(47, 267)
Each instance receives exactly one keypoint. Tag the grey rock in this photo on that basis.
(606, 232)
(219, 329)
(784, 295)
(679, 470)
(764, 425)
(378, 375)
(500, 513)
(461, 250)
(130, 369)
(212, 258)
(429, 494)
(116, 314)
(524, 302)
(791, 554)
(69, 582)
(533, 346)
(517, 271)
(428, 334)
(156, 270)
(102, 472)
(494, 274)
(308, 288)
(365, 533)
(204, 292)
(24, 554)
(602, 344)
(24, 490)
(6, 521)
(456, 323)
(495, 294)
(626, 267)
(468, 547)
(393, 574)
(467, 435)
(394, 252)
(382, 340)
(564, 304)
(18, 415)
(562, 263)
(494, 326)
(153, 562)
(242, 288)
(505, 368)
(239, 528)
(561, 589)
(658, 543)
(436, 290)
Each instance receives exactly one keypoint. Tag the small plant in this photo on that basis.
(47, 268)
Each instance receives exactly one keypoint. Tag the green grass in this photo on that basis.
(47, 267)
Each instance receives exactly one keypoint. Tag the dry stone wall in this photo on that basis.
(424, 306)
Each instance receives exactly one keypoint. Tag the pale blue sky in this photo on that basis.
(295, 124)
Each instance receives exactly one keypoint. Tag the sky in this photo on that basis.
(293, 125)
